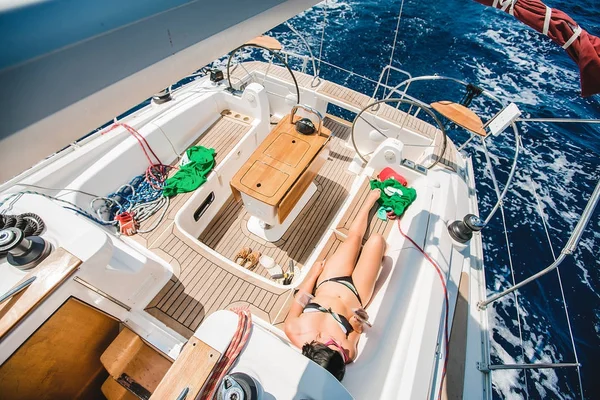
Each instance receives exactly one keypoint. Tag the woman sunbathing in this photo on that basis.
(328, 327)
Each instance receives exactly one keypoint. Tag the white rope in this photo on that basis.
(576, 34)
(504, 4)
(162, 203)
(562, 291)
(547, 20)
(394, 45)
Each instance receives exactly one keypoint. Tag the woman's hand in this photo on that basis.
(318, 267)
(311, 279)
(357, 324)
(359, 319)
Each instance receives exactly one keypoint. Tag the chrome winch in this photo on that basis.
(238, 386)
(22, 252)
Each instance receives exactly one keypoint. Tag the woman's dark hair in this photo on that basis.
(327, 358)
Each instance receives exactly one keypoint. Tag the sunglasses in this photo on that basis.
(341, 350)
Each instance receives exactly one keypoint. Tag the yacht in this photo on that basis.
(113, 289)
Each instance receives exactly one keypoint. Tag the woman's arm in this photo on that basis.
(306, 286)
(291, 327)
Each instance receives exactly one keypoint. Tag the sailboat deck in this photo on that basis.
(202, 283)
(228, 232)
(353, 101)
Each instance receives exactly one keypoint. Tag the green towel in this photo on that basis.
(395, 201)
(193, 174)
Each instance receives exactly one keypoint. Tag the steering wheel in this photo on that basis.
(376, 105)
(281, 59)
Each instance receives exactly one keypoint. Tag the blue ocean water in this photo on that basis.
(557, 171)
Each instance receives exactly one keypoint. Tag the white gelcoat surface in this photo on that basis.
(283, 372)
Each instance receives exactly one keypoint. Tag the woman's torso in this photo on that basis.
(322, 326)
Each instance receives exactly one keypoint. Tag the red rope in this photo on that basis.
(141, 139)
(156, 173)
(443, 281)
(231, 354)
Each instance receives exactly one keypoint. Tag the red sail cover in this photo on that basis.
(584, 49)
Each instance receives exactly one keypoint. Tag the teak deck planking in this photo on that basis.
(202, 283)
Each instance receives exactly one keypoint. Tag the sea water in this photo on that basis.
(557, 171)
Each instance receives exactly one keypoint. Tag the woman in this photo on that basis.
(326, 327)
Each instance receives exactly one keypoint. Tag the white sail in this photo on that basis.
(69, 69)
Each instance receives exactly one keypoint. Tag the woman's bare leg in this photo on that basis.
(342, 262)
(368, 266)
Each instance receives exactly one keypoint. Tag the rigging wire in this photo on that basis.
(562, 291)
(544, 223)
(57, 189)
(318, 72)
(393, 46)
(68, 205)
(517, 307)
(510, 261)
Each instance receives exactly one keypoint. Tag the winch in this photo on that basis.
(239, 386)
(22, 252)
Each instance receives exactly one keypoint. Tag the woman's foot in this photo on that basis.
(373, 197)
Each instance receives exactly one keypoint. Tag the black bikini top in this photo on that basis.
(340, 319)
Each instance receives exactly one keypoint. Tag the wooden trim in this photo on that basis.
(258, 181)
(128, 355)
(266, 41)
(61, 359)
(191, 369)
(293, 196)
(460, 115)
(51, 272)
(453, 384)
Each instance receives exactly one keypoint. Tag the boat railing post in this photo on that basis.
(386, 86)
(567, 250)
(312, 57)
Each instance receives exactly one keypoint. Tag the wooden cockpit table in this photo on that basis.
(276, 181)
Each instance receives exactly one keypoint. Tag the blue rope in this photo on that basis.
(137, 191)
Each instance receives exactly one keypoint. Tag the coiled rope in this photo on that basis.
(157, 171)
(142, 197)
(234, 349)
